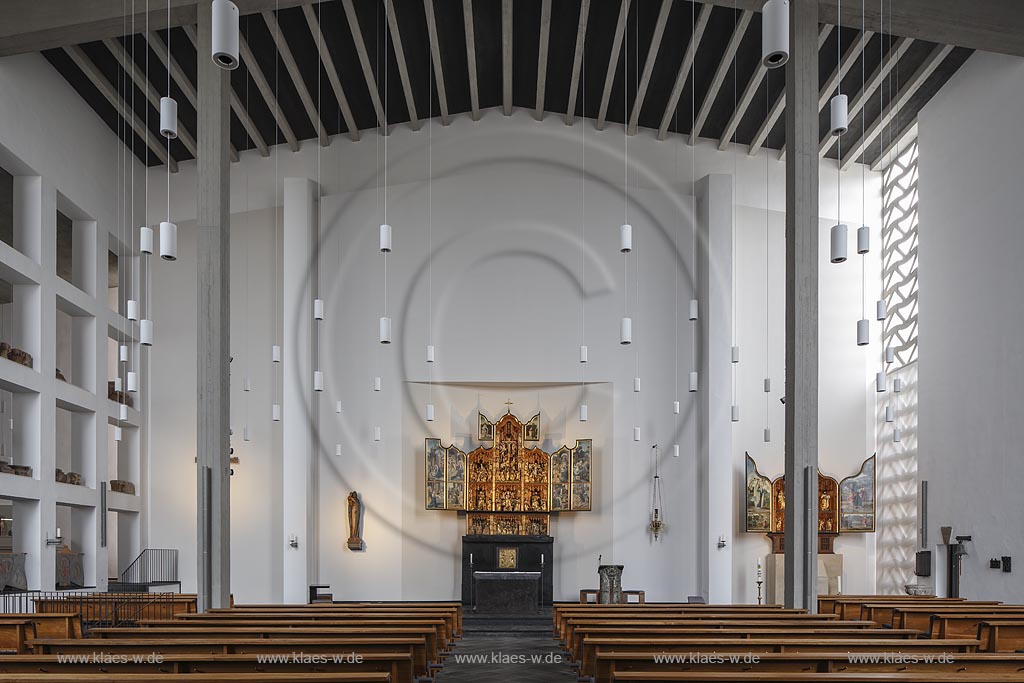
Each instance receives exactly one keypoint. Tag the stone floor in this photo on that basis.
(506, 649)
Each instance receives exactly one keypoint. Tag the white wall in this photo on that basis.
(507, 201)
(972, 317)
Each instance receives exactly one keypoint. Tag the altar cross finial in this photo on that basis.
(508, 405)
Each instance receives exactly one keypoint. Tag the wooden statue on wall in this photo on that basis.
(355, 515)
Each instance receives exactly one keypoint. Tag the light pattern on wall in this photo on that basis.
(897, 519)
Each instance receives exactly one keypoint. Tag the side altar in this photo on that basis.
(507, 492)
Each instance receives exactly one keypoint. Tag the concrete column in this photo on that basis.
(802, 306)
(714, 432)
(213, 349)
(299, 477)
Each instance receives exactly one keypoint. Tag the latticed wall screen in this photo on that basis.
(897, 461)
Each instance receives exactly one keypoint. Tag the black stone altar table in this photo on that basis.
(492, 553)
(506, 592)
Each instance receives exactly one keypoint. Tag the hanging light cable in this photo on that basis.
(318, 302)
(430, 242)
(734, 366)
(584, 353)
(694, 377)
(278, 315)
(767, 298)
(626, 230)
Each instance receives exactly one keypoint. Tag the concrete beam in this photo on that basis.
(613, 61)
(542, 58)
(577, 62)
(720, 73)
(435, 57)
(801, 448)
(652, 57)
(474, 88)
(700, 22)
(506, 57)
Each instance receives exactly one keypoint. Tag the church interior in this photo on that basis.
(540, 340)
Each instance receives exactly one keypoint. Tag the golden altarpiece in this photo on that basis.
(510, 487)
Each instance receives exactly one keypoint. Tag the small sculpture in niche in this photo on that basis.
(355, 514)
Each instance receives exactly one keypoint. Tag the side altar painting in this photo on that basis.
(843, 507)
(511, 486)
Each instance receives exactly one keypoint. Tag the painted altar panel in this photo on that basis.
(758, 499)
(510, 486)
(857, 499)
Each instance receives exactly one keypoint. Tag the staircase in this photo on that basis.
(153, 567)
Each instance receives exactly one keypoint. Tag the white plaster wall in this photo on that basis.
(507, 204)
(971, 317)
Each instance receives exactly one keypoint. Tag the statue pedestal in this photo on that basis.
(610, 592)
(830, 576)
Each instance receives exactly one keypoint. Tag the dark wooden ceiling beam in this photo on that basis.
(241, 110)
(542, 58)
(115, 99)
(403, 67)
(652, 57)
(700, 22)
(720, 73)
(435, 57)
(577, 63)
(332, 72)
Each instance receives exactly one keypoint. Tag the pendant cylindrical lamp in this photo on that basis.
(897, 385)
(890, 414)
(675, 407)
(880, 382)
(337, 449)
(839, 115)
(735, 354)
(775, 33)
(318, 309)
(430, 353)
(275, 353)
(133, 381)
(583, 354)
(735, 413)
(146, 332)
(675, 450)
(626, 238)
(122, 353)
(430, 412)
(275, 412)
(337, 407)
(890, 354)
(117, 433)
(897, 435)
(376, 434)
(881, 309)
(376, 383)
(225, 34)
(146, 240)
(863, 332)
(385, 237)
(694, 381)
(863, 239)
(385, 330)
(626, 331)
(694, 309)
(839, 243)
(122, 412)
(636, 433)
(767, 385)
(767, 434)
(584, 412)
(169, 117)
(318, 380)
(168, 241)
(133, 309)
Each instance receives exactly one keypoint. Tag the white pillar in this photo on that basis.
(299, 475)
(714, 424)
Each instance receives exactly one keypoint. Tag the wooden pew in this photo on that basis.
(882, 611)
(710, 626)
(593, 646)
(720, 676)
(558, 610)
(339, 677)
(429, 634)
(454, 615)
(852, 608)
(730, 631)
(454, 607)
(701, 615)
(52, 625)
(966, 624)
(106, 606)
(450, 623)
(805, 662)
(1002, 635)
(14, 633)
(827, 604)
(921, 617)
(397, 664)
(413, 645)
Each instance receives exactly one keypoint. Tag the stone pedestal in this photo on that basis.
(610, 592)
(830, 577)
(507, 553)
